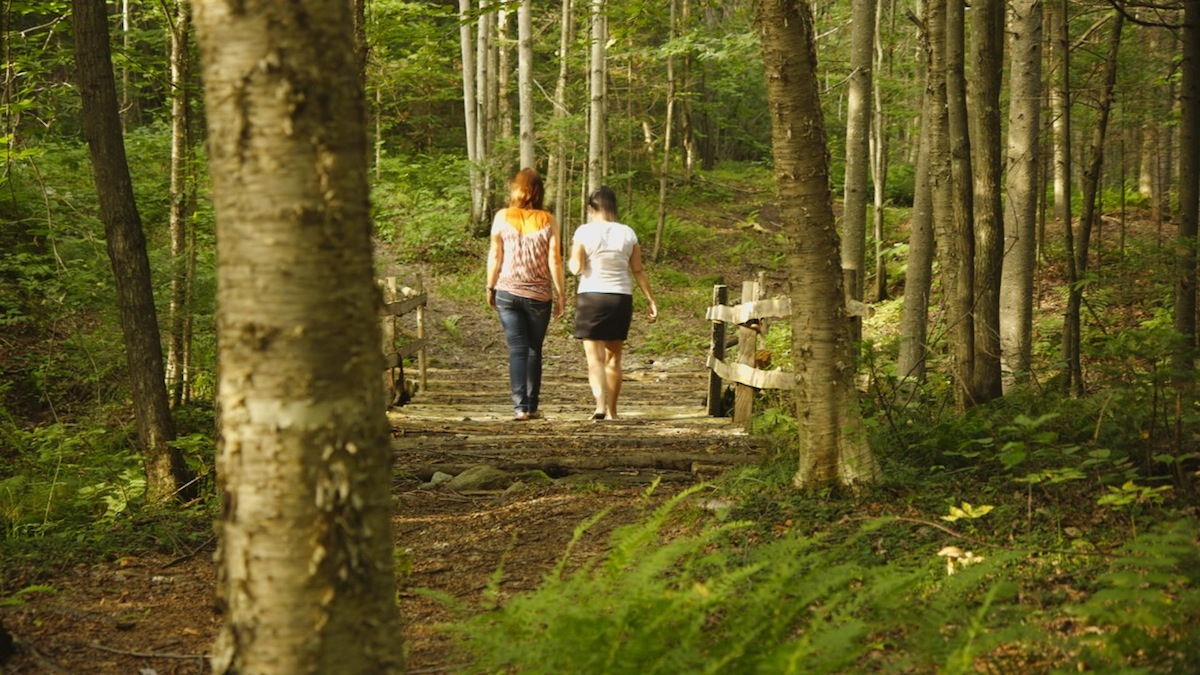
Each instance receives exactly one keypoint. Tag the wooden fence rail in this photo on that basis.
(399, 302)
(749, 316)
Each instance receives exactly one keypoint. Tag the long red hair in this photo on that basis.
(527, 190)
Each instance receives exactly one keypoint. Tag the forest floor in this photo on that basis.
(157, 614)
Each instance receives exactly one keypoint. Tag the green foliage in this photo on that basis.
(1143, 616)
(422, 211)
(697, 604)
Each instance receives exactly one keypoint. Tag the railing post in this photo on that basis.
(743, 395)
(716, 407)
(421, 360)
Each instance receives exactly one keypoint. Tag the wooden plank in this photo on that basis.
(406, 305)
(393, 359)
(747, 311)
(753, 377)
(743, 395)
(717, 351)
(772, 308)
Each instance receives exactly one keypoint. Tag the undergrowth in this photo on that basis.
(1008, 538)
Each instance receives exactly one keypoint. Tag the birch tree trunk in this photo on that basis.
(305, 542)
(504, 125)
(879, 155)
(525, 82)
(182, 198)
(558, 160)
(596, 116)
(166, 471)
(485, 101)
(858, 154)
(665, 167)
(470, 109)
(1060, 114)
(833, 444)
(987, 56)
(1021, 191)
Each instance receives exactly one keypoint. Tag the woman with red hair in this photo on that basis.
(525, 285)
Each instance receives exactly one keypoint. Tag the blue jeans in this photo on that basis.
(525, 321)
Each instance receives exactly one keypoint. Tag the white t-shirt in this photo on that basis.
(608, 247)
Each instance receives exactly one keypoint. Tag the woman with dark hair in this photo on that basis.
(608, 259)
(525, 285)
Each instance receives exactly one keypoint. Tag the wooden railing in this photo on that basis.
(397, 345)
(746, 372)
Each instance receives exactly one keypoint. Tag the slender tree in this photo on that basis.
(1184, 361)
(471, 109)
(956, 237)
(932, 186)
(557, 164)
(166, 470)
(1021, 190)
(1079, 241)
(182, 197)
(665, 167)
(879, 153)
(525, 81)
(597, 119)
(305, 543)
(986, 52)
(832, 437)
(858, 153)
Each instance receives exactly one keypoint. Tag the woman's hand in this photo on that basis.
(491, 297)
(560, 307)
(653, 312)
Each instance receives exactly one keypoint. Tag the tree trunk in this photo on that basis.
(485, 101)
(596, 117)
(665, 167)
(879, 157)
(525, 82)
(503, 80)
(305, 543)
(1189, 202)
(558, 160)
(1021, 188)
(1087, 214)
(958, 267)
(471, 110)
(166, 471)
(987, 55)
(833, 444)
(181, 197)
(1062, 171)
(931, 154)
(1060, 113)
(858, 154)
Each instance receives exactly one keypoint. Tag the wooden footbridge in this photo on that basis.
(464, 419)
(669, 429)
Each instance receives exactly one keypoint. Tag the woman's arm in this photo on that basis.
(643, 279)
(494, 262)
(556, 269)
(578, 262)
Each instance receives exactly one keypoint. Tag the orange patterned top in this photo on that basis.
(525, 269)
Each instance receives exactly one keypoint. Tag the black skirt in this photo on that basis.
(603, 316)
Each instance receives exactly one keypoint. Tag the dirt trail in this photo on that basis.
(157, 613)
(456, 542)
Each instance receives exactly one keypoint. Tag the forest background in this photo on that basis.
(1060, 453)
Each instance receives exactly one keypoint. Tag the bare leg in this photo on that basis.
(595, 352)
(612, 375)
